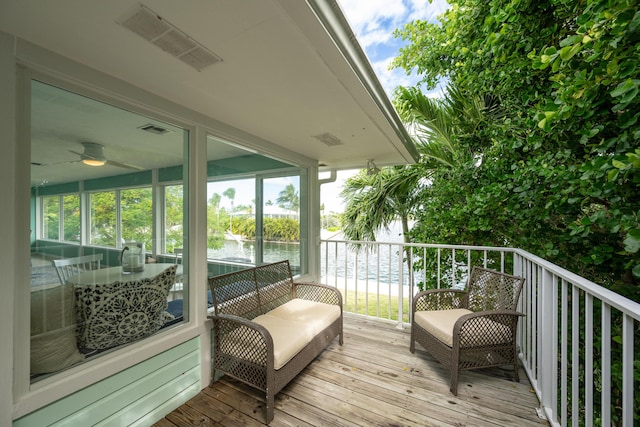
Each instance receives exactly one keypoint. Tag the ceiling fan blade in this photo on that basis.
(124, 165)
(56, 163)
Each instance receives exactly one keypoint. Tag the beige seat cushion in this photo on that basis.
(315, 315)
(439, 323)
(289, 337)
(292, 326)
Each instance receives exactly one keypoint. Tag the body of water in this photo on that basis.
(338, 262)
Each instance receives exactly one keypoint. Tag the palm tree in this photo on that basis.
(374, 201)
(289, 198)
(437, 124)
(230, 193)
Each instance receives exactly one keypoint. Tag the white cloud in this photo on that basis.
(425, 11)
(390, 79)
(373, 22)
(371, 16)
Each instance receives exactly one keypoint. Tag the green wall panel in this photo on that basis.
(169, 174)
(137, 393)
(67, 188)
(243, 164)
(118, 181)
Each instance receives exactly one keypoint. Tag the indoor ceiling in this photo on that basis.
(280, 78)
(61, 121)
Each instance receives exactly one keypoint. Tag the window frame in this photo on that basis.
(41, 227)
(259, 178)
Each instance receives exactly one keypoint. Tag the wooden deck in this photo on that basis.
(372, 380)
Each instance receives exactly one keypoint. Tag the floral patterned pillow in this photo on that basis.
(112, 314)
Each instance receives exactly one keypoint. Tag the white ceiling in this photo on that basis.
(281, 79)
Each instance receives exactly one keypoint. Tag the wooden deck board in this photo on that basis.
(372, 379)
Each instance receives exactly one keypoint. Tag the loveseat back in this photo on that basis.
(254, 291)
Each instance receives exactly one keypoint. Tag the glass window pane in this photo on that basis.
(231, 224)
(173, 217)
(136, 207)
(71, 218)
(51, 220)
(115, 160)
(103, 219)
(281, 213)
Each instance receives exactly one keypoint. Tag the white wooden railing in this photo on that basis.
(576, 340)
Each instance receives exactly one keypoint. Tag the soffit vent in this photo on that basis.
(167, 37)
(328, 139)
(158, 130)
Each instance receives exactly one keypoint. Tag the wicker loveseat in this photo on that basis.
(472, 328)
(267, 328)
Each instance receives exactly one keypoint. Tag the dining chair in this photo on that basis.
(67, 267)
(179, 285)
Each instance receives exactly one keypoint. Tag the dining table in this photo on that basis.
(115, 274)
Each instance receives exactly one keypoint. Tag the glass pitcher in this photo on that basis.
(132, 257)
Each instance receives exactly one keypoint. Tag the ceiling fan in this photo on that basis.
(93, 155)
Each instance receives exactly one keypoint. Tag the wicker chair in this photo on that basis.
(469, 329)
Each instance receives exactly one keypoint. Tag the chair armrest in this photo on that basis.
(437, 299)
(317, 292)
(485, 328)
(242, 339)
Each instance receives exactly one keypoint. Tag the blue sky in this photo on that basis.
(373, 22)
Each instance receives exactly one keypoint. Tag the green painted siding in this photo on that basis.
(57, 249)
(173, 173)
(55, 189)
(139, 395)
(119, 181)
(250, 163)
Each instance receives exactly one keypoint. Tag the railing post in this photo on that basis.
(547, 342)
(400, 287)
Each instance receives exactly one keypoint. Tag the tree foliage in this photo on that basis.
(556, 171)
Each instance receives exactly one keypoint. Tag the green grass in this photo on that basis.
(382, 306)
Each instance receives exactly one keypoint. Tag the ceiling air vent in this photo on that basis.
(154, 129)
(328, 139)
(167, 37)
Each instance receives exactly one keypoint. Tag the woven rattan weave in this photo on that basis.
(484, 338)
(244, 349)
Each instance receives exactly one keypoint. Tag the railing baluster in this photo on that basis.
(545, 344)
(378, 281)
(605, 344)
(355, 279)
(400, 288)
(627, 371)
(366, 283)
(439, 259)
(453, 268)
(575, 356)
(564, 338)
(588, 364)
